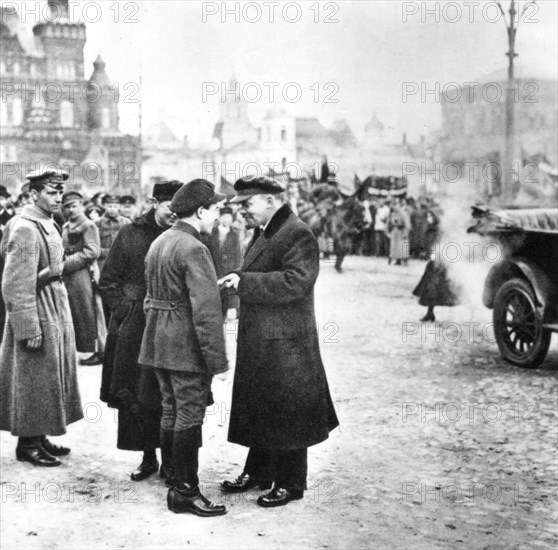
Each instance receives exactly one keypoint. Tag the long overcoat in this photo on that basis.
(399, 227)
(184, 324)
(281, 398)
(125, 385)
(38, 388)
(81, 273)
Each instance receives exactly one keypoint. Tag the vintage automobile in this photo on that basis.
(522, 288)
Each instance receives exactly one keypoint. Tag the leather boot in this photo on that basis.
(53, 449)
(29, 449)
(185, 496)
(167, 468)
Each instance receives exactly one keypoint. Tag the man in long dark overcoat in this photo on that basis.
(133, 390)
(281, 403)
(39, 393)
(82, 247)
(183, 338)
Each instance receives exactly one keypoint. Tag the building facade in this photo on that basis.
(52, 115)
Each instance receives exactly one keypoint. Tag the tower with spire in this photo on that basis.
(102, 100)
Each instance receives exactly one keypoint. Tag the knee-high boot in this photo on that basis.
(185, 495)
(167, 466)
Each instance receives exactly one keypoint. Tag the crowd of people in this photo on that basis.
(153, 316)
(401, 228)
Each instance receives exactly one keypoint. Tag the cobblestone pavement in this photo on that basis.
(441, 445)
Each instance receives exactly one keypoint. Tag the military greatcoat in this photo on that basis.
(81, 275)
(38, 388)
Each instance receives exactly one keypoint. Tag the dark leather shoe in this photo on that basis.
(183, 498)
(144, 470)
(279, 497)
(95, 359)
(36, 455)
(244, 482)
(54, 450)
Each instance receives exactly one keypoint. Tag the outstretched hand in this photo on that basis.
(229, 281)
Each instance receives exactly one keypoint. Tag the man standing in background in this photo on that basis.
(82, 247)
(109, 225)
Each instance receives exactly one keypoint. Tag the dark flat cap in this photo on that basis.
(70, 196)
(115, 199)
(193, 195)
(4, 192)
(249, 186)
(127, 199)
(165, 190)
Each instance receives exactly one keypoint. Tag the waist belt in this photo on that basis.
(134, 292)
(51, 280)
(166, 305)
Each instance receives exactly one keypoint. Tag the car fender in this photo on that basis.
(518, 267)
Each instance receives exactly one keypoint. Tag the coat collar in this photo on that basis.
(35, 214)
(276, 222)
(261, 238)
(180, 225)
(148, 220)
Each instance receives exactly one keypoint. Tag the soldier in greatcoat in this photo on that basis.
(281, 403)
(134, 391)
(39, 393)
(183, 338)
(82, 247)
(109, 225)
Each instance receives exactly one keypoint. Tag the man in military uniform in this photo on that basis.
(183, 338)
(82, 247)
(128, 207)
(109, 225)
(280, 403)
(39, 393)
(134, 391)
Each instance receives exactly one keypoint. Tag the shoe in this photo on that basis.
(95, 359)
(51, 448)
(183, 498)
(36, 455)
(429, 317)
(144, 470)
(279, 497)
(244, 482)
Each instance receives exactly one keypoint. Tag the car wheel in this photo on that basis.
(518, 325)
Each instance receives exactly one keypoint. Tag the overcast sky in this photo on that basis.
(369, 53)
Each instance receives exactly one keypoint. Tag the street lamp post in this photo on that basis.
(508, 170)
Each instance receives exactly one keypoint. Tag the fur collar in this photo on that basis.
(277, 221)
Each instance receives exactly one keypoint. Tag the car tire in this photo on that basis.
(518, 329)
